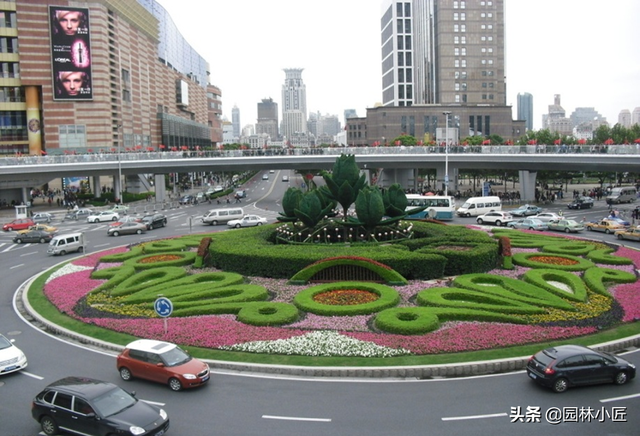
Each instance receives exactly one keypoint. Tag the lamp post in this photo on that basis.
(446, 152)
(119, 184)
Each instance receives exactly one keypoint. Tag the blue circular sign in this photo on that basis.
(163, 307)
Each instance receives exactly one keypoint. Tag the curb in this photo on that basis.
(421, 372)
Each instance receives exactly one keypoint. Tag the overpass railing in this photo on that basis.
(622, 149)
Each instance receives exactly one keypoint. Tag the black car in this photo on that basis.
(581, 203)
(564, 366)
(187, 199)
(154, 221)
(93, 407)
(33, 236)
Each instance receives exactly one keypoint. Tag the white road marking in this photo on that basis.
(101, 245)
(28, 254)
(37, 377)
(296, 418)
(17, 266)
(463, 418)
(625, 397)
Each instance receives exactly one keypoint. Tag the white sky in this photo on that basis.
(585, 50)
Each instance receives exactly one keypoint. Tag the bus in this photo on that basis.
(438, 207)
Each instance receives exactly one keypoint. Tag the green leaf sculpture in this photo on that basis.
(290, 203)
(310, 210)
(370, 207)
(395, 201)
(344, 181)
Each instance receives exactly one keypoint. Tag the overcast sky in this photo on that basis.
(585, 50)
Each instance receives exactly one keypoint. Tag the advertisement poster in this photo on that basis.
(70, 53)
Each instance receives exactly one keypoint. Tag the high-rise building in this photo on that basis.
(235, 121)
(442, 56)
(294, 104)
(443, 52)
(267, 118)
(525, 109)
(635, 116)
(624, 118)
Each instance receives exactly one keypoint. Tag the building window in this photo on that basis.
(455, 16)
(401, 59)
(484, 96)
(490, 96)
(463, 39)
(463, 4)
(126, 76)
(463, 16)
(456, 75)
(456, 63)
(463, 28)
(408, 59)
(399, 9)
(455, 5)
(456, 28)
(463, 86)
(489, 26)
(463, 74)
(407, 26)
(400, 42)
(126, 95)
(464, 51)
(72, 136)
(457, 98)
(457, 87)
(400, 75)
(456, 51)
(456, 40)
(409, 75)
(463, 63)
(491, 85)
(407, 42)
(464, 98)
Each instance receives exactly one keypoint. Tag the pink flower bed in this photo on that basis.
(223, 330)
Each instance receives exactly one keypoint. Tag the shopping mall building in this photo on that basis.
(83, 77)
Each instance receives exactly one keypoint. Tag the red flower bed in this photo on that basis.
(345, 297)
(160, 258)
(553, 260)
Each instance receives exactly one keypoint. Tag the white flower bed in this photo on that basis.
(67, 269)
(320, 343)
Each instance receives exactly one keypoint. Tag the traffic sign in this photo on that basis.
(163, 307)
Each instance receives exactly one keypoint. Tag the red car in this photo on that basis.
(18, 224)
(161, 362)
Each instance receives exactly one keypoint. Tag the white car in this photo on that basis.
(496, 218)
(247, 221)
(11, 357)
(106, 215)
(548, 216)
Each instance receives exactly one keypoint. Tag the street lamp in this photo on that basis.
(119, 184)
(446, 152)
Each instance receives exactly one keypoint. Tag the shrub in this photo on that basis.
(388, 297)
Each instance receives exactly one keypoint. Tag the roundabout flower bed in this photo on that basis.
(539, 300)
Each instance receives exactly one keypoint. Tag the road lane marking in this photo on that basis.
(17, 266)
(463, 418)
(296, 418)
(28, 254)
(102, 245)
(37, 377)
(625, 397)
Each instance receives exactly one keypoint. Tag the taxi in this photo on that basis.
(631, 234)
(606, 226)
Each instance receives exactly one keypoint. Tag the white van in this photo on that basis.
(63, 244)
(622, 195)
(475, 206)
(222, 216)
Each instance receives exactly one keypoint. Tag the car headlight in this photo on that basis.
(163, 414)
(632, 366)
(134, 429)
(189, 376)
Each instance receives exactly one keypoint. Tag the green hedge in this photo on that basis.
(480, 257)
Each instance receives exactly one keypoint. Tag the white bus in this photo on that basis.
(622, 195)
(475, 206)
(438, 207)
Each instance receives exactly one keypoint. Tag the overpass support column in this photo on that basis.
(161, 190)
(116, 188)
(453, 179)
(404, 177)
(527, 185)
(97, 189)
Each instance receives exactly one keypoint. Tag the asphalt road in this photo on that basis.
(252, 404)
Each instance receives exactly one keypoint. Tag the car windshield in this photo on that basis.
(174, 357)
(113, 402)
(4, 343)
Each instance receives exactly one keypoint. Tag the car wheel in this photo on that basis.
(62, 253)
(259, 224)
(125, 374)
(10, 229)
(566, 230)
(238, 226)
(479, 221)
(531, 228)
(620, 237)
(139, 231)
(498, 223)
(116, 233)
(589, 228)
(114, 219)
(49, 426)
(621, 378)
(42, 240)
(214, 223)
(175, 384)
(606, 231)
(560, 385)
(18, 241)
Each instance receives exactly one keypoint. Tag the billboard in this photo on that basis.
(70, 53)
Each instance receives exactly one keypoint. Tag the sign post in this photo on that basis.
(163, 307)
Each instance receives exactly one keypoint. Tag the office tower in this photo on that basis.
(624, 118)
(294, 104)
(267, 118)
(525, 109)
(349, 113)
(443, 52)
(235, 121)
